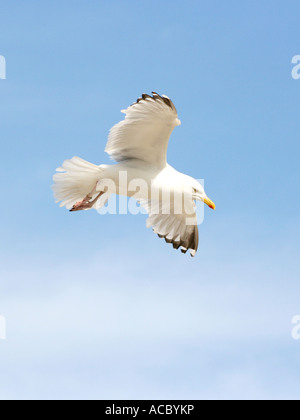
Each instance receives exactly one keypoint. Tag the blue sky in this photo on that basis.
(99, 307)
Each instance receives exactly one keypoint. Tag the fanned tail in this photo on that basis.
(74, 180)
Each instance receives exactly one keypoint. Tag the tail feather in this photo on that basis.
(74, 180)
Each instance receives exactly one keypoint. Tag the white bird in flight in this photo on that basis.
(139, 145)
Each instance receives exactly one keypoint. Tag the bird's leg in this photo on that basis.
(87, 202)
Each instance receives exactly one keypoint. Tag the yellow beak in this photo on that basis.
(210, 203)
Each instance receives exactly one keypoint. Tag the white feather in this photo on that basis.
(144, 133)
(74, 180)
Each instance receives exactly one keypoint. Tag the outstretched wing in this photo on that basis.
(181, 230)
(144, 133)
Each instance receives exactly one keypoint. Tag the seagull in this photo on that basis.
(139, 146)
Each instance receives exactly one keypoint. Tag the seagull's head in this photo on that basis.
(199, 195)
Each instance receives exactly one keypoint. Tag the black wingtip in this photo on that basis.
(156, 97)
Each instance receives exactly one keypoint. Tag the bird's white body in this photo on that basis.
(126, 175)
(139, 145)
